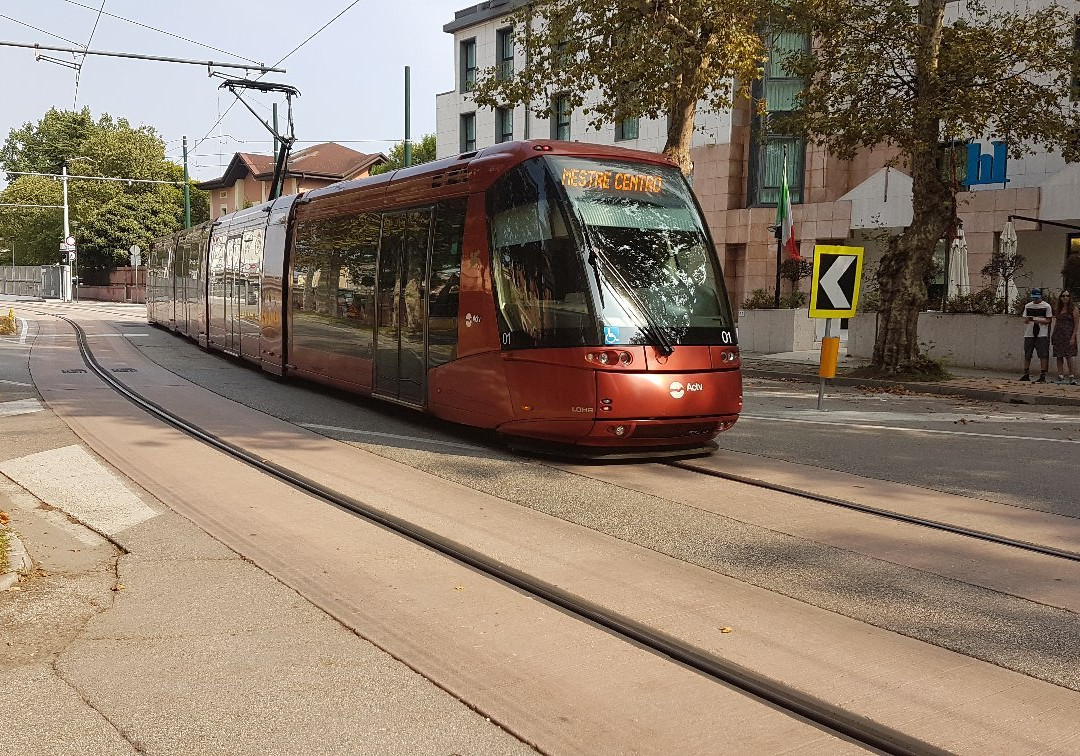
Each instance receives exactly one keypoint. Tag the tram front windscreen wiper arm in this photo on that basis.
(652, 327)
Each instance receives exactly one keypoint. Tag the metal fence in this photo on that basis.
(45, 281)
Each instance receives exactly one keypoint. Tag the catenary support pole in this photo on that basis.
(65, 292)
(408, 140)
(63, 181)
(187, 189)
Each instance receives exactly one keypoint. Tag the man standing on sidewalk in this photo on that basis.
(1038, 315)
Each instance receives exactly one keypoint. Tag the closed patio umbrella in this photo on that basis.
(959, 280)
(1007, 246)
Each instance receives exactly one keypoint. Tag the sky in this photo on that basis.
(350, 76)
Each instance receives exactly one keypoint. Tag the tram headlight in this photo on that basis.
(610, 357)
(729, 355)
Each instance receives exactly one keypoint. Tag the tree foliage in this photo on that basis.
(914, 77)
(641, 58)
(422, 152)
(107, 217)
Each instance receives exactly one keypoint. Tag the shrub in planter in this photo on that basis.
(760, 299)
(984, 302)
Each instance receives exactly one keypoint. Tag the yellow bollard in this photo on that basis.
(830, 351)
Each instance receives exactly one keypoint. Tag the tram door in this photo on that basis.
(400, 361)
(230, 337)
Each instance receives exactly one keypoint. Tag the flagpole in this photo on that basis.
(779, 253)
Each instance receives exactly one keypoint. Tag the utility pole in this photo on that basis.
(63, 180)
(65, 292)
(408, 141)
(187, 190)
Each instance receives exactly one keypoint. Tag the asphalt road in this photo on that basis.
(1013, 454)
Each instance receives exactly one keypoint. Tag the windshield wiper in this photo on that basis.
(652, 328)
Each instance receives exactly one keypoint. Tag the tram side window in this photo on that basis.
(542, 292)
(333, 283)
(445, 281)
(217, 267)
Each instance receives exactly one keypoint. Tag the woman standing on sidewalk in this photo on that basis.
(1066, 319)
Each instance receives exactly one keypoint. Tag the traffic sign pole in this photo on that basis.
(830, 353)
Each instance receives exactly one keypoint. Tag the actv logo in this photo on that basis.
(677, 390)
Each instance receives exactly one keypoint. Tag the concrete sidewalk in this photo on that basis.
(987, 385)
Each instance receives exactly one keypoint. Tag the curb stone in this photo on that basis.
(18, 560)
(913, 387)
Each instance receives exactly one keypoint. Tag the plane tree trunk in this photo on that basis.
(909, 258)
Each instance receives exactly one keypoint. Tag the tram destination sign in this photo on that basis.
(834, 291)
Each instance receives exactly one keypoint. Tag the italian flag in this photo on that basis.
(783, 219)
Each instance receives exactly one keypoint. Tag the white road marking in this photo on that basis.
(22, 329)
(909, 430)
(20, 406)
(857, 416)
(389, 435)
(73, 481)
(16, 383)
(129, 335)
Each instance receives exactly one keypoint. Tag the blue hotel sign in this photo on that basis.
(987, 169)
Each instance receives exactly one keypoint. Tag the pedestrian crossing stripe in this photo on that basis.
(834, 288)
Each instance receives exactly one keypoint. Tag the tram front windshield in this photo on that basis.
(589, 252)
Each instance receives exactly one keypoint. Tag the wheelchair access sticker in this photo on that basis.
(611, 335)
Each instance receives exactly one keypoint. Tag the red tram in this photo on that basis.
(553, 291)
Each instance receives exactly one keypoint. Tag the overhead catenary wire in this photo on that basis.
(166, 33)
(79, 67)
(279, 62)
(38, 29)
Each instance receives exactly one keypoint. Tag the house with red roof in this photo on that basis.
(248, 178)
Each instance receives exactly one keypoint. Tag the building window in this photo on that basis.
(504, 51)
(769, 145)
(468, 65)
(625, 129)
(1072, 244)
(224, 193)
(562, 55)
(224, 210)
(504, 124)
(560, 117)
(468, 132)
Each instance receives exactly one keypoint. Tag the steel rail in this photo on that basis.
(827, 716)
(981, 535)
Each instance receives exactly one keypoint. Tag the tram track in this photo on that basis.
(829, 717)
(938, 525)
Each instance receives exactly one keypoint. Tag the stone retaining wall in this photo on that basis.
(776, 331)
(991, 342)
